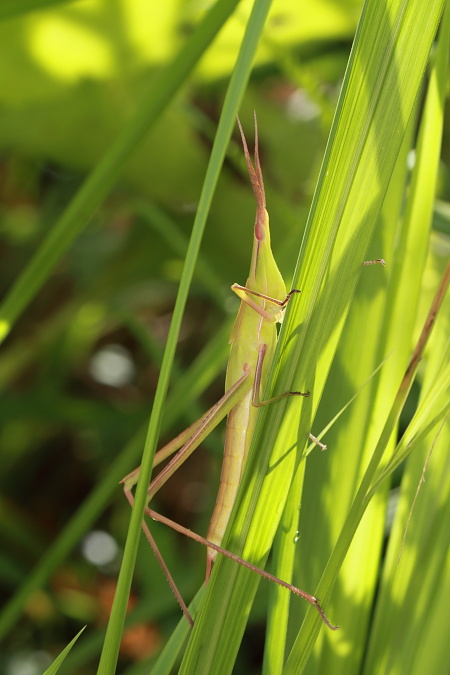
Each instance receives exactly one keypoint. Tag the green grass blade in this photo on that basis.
(53, 669)
(285, 550)
(430, 413)
(331, 477)
(406, 285)
(172, 649)
(353, 445)
(365, 491)
(414, 575)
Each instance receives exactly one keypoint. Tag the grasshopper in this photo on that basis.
(252, 345)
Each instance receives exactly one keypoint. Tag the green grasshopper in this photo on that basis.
(253, 340)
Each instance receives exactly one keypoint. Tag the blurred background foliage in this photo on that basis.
(78, 371)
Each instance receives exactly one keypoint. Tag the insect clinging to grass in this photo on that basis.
(252, 346)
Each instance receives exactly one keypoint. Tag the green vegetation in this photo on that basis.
(126, 215)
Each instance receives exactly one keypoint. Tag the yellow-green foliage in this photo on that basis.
(147, 93)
